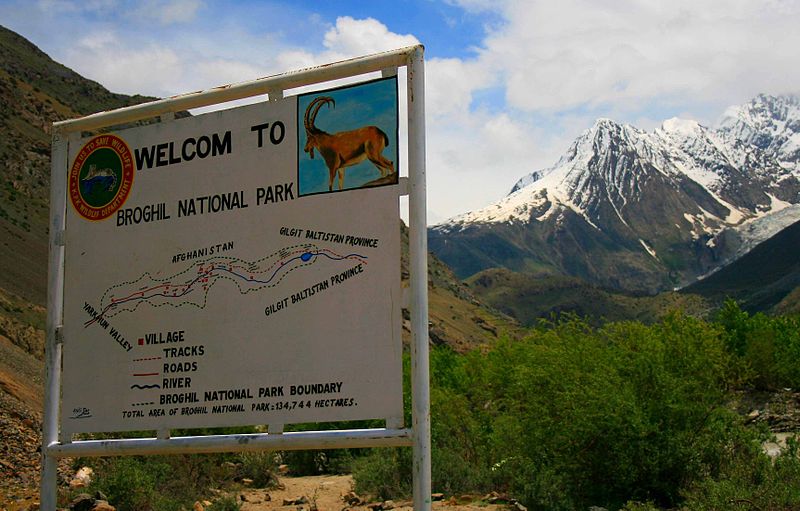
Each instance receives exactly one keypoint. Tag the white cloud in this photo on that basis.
(68, 6)
(474, 158)
(347, 38)
(96, 41)
(167, 12)
(229, 70)
(122, 68)
(351, 37)
(556, 55)
(296, 59)
(450, 84)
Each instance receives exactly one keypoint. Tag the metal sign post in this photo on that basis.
(418, 258)
(218, 275)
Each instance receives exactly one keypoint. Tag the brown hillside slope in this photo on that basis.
(35, 91)
(20, 423)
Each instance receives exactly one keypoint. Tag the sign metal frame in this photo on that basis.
(56, 445)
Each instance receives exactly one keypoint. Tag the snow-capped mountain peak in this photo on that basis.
(771, 123)
(595, 139)
(610, 161)
(684, 128)
(671, 196)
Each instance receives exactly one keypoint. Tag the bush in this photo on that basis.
(590, 416)
(384, 473)
(129, 484)
(327, 461)
(767, 347)
(640, 506)
(575, 416)
(156, 483)
(751, 481)
(260, 467)
(227, 503)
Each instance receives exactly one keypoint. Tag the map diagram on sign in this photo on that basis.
(192, 286)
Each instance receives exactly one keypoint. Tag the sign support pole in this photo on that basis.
(55, 301)
(418, 254)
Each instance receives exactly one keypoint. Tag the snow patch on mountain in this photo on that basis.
(704, 223)
(648, 248)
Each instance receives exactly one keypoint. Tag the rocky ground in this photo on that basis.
(20, 424)
(21, 381)
(780, 410)
(335, 492)
(19, 459)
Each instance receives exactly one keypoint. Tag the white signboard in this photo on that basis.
(237, 267)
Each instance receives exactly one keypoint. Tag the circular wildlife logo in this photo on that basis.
(101, 176)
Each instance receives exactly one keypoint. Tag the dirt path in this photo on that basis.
(328, 492)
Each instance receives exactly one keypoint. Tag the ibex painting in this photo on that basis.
(344, 148)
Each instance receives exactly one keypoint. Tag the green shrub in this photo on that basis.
(603, 416)
(226, 503)
(750, 481)
(260, 467)
(384, 473)
(156, 483)
(768, 347)
(131, 484)
(575, 416)
(639, 506)
(328, 461)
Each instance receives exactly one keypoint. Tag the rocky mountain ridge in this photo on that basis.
(641, 211)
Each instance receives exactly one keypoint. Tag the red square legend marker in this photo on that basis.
(141, 341)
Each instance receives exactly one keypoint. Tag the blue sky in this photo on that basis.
(509, 83)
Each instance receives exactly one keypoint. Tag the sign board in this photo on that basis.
(239, 267)
(236, 267)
